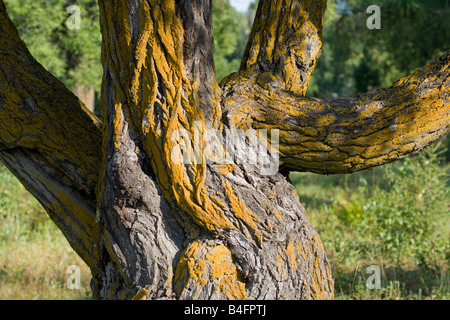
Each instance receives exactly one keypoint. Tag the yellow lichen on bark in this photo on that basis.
(286, 42)
(142, 294)
(347, 134)
(242, 212)
(208, 267)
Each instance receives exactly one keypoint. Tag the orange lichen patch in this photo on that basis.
(319, 290)
(277, 214)
(321, 282)
(281, 267)
(117, 125)
(203, 263)
(309, 256)
(142, 294)
(290, 252)
(224, 270)
(225, 169)
(217, 202)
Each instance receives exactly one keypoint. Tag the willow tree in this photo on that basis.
(151, 227)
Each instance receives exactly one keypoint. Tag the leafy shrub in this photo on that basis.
(404, 215)
(395, 217)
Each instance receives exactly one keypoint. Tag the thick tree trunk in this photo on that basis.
(179, 202)
(198, 231)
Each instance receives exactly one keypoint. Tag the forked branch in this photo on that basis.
(48, 139)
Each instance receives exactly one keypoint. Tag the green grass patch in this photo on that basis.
(34, 255)
(395, 217)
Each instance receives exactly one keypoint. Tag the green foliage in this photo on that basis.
(73, 56)
(409, 210)
(231, 30)
(396, 217)
(350, 213)
(356, 59)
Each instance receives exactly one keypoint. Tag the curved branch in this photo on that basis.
(66, 206)
(48, 139)
(347, 134)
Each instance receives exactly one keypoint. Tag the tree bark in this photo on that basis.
(347, 134)
(152, 227)
(48, 139)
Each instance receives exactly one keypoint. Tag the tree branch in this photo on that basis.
(48, 139)
(285, 42)
(66, 206)
(347, 134)
(198, 47)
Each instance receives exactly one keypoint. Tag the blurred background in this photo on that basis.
(395, 217)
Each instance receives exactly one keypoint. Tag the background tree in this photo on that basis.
(357, 59)
(230, 31)
(71, 55)
(152, 228)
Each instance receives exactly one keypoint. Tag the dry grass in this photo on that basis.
(34, 256)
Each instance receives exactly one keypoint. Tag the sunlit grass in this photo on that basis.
(361, 217)
(34, 256)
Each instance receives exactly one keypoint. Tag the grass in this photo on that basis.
(34, 256)
(395, 217)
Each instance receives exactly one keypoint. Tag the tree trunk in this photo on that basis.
(173, 195)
